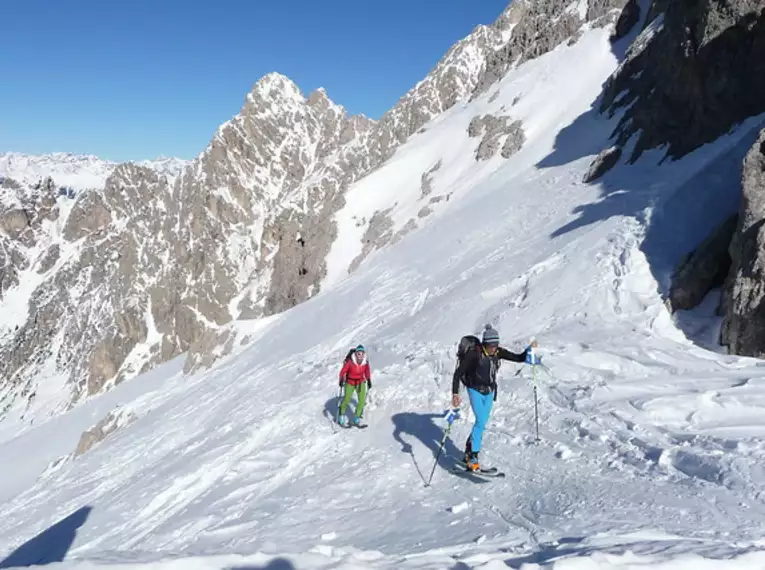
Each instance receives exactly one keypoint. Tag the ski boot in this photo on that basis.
(359, 422)
(468, 451)
(342, 419)
(472, 462)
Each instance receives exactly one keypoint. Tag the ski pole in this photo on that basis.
(451, 415)
(339, 400)
(536, 405)
(533, 360)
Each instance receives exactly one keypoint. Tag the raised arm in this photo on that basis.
(504, 354)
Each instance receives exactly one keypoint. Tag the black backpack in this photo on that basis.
(350, 354)
(467, 343)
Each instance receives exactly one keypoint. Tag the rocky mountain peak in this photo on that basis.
(275, 84)
(320, 100)
(511, 16)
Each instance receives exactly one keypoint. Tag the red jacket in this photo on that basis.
(354, 373)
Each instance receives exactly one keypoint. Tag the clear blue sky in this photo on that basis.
(138, 78)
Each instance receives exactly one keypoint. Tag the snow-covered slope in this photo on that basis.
(650, 452)
(75, 171)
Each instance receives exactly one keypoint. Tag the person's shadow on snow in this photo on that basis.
(429, 430)
(49, 546)
(332, 408)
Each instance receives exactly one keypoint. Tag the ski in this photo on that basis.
(461, 467)
(484, 473)
(350, 426)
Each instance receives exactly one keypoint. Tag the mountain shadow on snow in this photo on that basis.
(49, 546)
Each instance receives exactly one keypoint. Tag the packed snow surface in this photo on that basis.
(651, 450)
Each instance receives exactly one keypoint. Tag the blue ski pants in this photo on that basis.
(481, 404)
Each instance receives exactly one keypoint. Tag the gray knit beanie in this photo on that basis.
(490, 336)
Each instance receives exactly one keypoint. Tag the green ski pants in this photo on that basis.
(361, 389)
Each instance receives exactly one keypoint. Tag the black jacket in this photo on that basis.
(478, 370)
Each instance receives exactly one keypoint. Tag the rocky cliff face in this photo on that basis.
(743, 308)
(704, 269)
(697, 70)
(150, 266)
(536, 27)
(87, 308)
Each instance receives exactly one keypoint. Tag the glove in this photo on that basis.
(451, 415)
(342, 382)
(369, 383)
(533, 358)
(531, 355)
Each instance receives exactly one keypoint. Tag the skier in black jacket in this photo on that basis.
(477, 370)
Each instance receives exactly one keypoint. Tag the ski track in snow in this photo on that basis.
(650, 451)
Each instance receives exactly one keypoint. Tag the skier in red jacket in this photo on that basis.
(355, 376)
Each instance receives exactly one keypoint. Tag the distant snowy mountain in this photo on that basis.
(79, 172)
(71, 170)
(167, 166)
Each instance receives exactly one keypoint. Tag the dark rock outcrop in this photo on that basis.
(494, 129)
(743, 328)
(604, 162)
(704, 269)
(627, 19)
(697, 70)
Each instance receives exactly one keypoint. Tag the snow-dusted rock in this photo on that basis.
(744, 323)
(694, 72)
